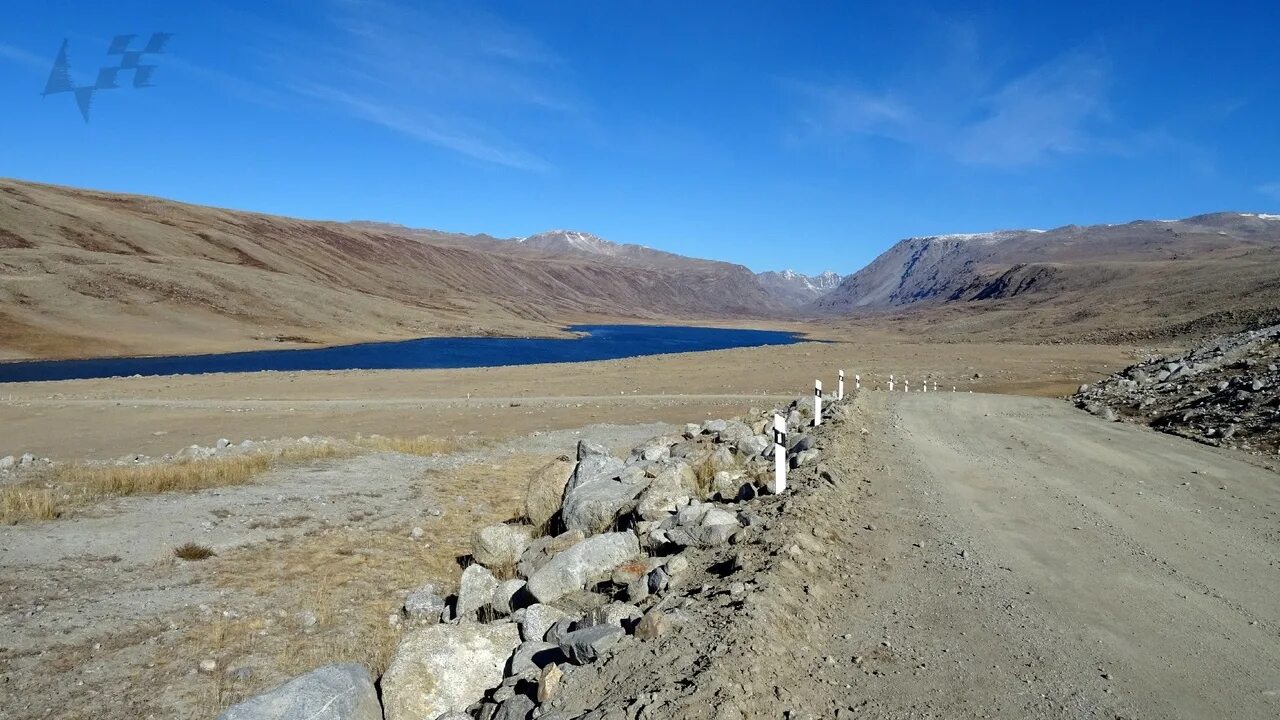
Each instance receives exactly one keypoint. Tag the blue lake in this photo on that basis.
(604, 342)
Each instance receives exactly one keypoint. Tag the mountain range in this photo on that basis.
(88, 273)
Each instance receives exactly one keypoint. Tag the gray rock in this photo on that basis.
(424, 604)
(712, 427)
(591, 560)
(538, 619)
(560, 628)
(673, 486)
(475, 591)
(653, 450)
(26, 459)
(614, 613)
(734, 431)
(541, 550)
(518, 707)
(657, 581)
(332, 692)
(587, 645)
(7, 462)
(753, 445)
(587, 449)
(727, 484)
(804, 457)
(507, 596)
(546, 490)
(446, 668)
(533, 655)
(500, 545)
(800, 444)
(594, 495)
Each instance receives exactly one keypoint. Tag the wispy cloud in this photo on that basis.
(1271, 190)
(976, 111)
(26, 58)
(452, 76)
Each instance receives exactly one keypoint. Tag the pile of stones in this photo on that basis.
(581, 576)
(1225, 393)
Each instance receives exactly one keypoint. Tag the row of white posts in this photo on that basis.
(780, 423)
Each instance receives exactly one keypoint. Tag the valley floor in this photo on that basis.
(103, 419)
(985, 556)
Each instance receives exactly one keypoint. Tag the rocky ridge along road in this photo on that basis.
(939, 555)
(1223, 393)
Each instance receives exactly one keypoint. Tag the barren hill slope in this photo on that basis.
(1140, 279)
(92, 273)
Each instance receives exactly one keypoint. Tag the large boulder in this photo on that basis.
(333, 692)
(591, 560)
(538, 619)
(500, 545)
(674, 485)
(592, 502)
(475, 591)
(546, 490)
(541, 550)
(446, 668)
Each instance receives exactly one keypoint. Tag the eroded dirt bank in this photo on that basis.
(979, 556)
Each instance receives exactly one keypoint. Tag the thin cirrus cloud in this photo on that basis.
(446, 76)
(1054, 109)
(1271, 190)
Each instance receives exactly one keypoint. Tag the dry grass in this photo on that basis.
(74, 486)
(111, 480)
(351, 578)
(26, 502)
(421, 445)
(192, 551)
(704, 471)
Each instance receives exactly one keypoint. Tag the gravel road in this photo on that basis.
(982, 556)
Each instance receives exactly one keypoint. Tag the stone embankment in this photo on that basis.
(1224, 393)
(609, 554)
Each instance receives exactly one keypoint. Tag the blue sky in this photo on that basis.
(776, 135)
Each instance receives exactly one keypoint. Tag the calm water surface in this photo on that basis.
(604, 342)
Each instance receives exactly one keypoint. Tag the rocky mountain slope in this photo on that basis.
(793, 288)
(87, 273)
(1140, 279)
(1226, 392)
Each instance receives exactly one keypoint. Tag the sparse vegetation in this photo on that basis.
(26, 502)
(73, 486)
(192, 551)
(704, 471)
(421, 445)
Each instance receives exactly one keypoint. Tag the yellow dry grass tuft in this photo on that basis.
(75, 486)
(26, 502)
(110, 480)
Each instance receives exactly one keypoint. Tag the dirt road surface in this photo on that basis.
(984, 556)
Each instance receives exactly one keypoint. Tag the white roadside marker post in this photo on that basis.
(935, 386)
(840, 386)
(857, 382)
(817, 403)
(926, 386)
(906, 386)
(779, 454)
(890, 383)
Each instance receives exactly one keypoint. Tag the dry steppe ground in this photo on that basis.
(102, 419)
(99, 619)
